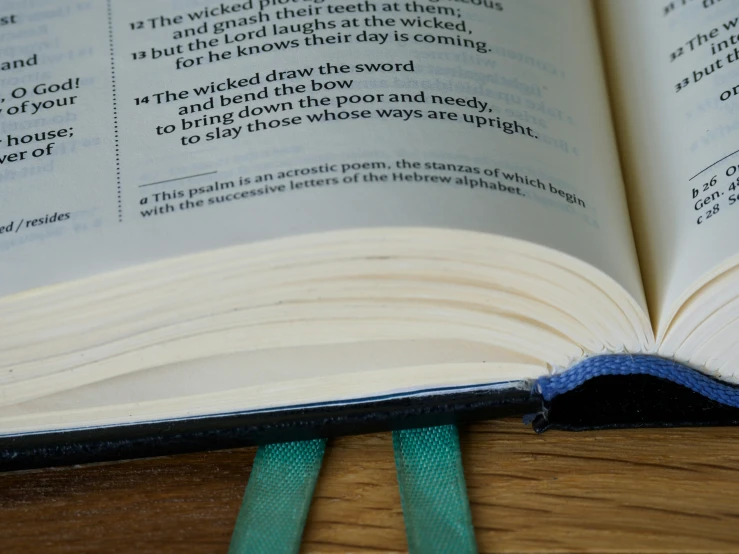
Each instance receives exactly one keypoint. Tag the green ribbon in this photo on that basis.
(433, 491)
(277, 498)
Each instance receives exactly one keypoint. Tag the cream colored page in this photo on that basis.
(677, 95)
(135, 130)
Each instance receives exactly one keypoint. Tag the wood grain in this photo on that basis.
(607, 491)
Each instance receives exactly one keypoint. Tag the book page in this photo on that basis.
(136, 130)
(676, 92)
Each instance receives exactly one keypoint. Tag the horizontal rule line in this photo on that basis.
(710, 166)
(179, 179)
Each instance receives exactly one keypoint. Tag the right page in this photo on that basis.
(674, 76)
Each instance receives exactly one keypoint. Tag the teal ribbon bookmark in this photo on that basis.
(277, 498)
(433, 491)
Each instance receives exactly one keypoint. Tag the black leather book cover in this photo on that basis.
(605, 402)
(238, 430)
(629, 401)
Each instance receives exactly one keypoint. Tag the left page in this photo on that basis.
(135, 130)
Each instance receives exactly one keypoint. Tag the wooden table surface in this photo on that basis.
(673, 490)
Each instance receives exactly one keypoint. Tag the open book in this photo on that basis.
(252, 207)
